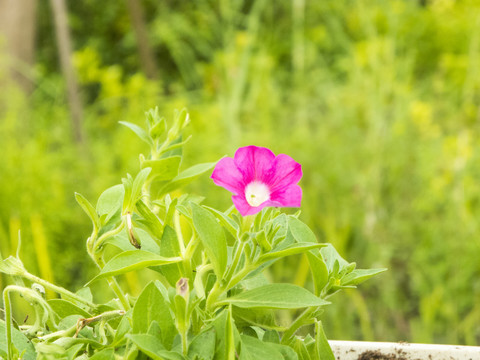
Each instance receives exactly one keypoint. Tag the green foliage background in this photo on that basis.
(378, 100)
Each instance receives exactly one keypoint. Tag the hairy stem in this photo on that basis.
(58, 289)
(8, 321)
(298, 323)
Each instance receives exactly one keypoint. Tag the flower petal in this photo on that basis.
(227, 175)
(254, 162)
(290, 196)
(244, 207)
(286, 172)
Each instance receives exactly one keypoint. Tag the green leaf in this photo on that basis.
(289, 250)
(169, 248)
(122, 241)
(110, 201)
(64, 308)
(122, 329)
(152, 306)
(300, 348)
(73, 351)
(212, 236)
(163, 169)
(226, 222)
(142, 134)
(20, 341)
(227, 336)
(275, 296)
(89, 210)
(138, 184)
(151, 223)
(133, 260)
(331, 256)
(253, 348)
(300, 231)
(319, 272)
(152, 347)
(203, 346)
(185, 177)
(358, 276)
(323, 349)
(303, 234)
(106, 354)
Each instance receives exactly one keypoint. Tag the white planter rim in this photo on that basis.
(365, 350)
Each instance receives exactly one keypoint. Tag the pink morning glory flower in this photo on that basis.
(257, 178)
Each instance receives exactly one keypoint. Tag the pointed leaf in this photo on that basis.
(202, 346)
(275, 296)
(149, 307)
(89, 210)
(293, 249)
(186, 176)
(152, 223)
(110, 201)
(300, 231)
(133, 260)
(323, 349)
(226, 221)
(169, 247)
(358, 276)
(20, 341)
(142, 134)
(319, 271)
(64, 308)
(335, 263)
(212, 236)
(163, 169)
(253, 348)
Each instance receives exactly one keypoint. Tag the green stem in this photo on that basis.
(184, 343)
(112, 282)
(58, 289)
(187, 257)
(236, 259)
(105, 236)
(62, 333)
(298, 323)
(217, 289)
(8, 321)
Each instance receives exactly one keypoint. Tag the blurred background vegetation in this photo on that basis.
(379, 101)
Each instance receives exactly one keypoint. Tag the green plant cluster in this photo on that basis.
(377, 99)
(210, 300)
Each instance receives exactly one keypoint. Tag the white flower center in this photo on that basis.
(257, 193)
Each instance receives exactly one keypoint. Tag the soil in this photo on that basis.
(377, 355)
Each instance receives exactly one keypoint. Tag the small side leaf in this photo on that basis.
(133, 260)
(293, 249)
(358, 276)
(185, 177)
(89, 210)
(226, 222)
(142, 134)
(322, 347)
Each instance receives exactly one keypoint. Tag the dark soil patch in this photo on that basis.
(377, 355)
